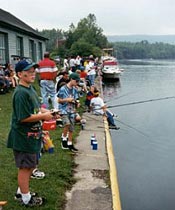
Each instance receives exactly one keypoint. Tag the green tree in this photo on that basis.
(87, 35)
(85, 39)
(144, 50)
(53, 35)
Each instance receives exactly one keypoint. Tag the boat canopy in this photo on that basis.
(110, 63)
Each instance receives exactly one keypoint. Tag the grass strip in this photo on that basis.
(58, 166)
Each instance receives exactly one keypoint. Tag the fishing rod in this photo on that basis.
(141, 102)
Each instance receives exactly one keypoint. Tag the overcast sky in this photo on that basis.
(115, 17)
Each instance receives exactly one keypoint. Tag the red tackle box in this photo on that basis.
(49, 125)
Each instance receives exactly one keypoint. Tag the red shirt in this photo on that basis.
(83, 74)
(47, 69)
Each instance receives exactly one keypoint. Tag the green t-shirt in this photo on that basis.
(25, 137)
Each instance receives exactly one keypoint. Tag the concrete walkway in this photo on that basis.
(91, 191)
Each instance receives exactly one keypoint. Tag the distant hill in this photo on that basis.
(138, 38)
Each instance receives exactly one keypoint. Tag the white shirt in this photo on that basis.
(72, 62)
(78, 60)
(65, 63)
(97, 103)
(92, 68)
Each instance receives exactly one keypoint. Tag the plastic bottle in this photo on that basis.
(95, 145)
(83, 122)
(92, 139)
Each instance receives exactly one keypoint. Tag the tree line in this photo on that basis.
(144, 50)
(84, 39)
(87, 38)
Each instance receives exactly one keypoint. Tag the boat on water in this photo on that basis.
(110, 68)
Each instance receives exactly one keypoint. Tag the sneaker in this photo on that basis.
(59, 123)
(114, 127)
(72, 148)
(36, 174)
(64, 145)
(34, 201)
(18, 196)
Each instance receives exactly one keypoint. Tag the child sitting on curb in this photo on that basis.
(99, 108)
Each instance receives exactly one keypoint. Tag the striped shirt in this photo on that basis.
(65, 92)
(47, 69)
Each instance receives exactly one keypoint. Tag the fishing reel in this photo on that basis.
(75, 102)
(55, 112)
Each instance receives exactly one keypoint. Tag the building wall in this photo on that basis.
(12, 44)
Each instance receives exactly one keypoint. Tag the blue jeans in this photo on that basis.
(48, 90)
(110, 118)
(91, 79)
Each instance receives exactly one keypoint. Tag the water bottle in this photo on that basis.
(51, 150)
(95, 145)
(83, 122)
(92, 139)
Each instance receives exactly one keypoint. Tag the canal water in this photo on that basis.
(144, 147)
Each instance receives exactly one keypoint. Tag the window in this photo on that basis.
(40, 50)
(19, 46)
(32, 50)
(3, 48)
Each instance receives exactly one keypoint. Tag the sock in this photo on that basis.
(63, 137)
(18, 190)
(69, 143)
(26, 197)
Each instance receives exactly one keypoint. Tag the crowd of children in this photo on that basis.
(26, 135)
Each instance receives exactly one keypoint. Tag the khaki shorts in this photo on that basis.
(25, 160)
(69, 119)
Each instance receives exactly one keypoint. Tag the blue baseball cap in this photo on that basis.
(25, 65)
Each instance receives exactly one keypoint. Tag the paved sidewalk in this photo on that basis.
(91, 191)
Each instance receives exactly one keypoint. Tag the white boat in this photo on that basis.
(110, 69)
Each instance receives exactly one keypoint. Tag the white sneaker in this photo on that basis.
(36, 174)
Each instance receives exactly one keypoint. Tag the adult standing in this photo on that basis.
(91, 71)
(66, 64)
(72, 63)
(78, 62)
(47, 74)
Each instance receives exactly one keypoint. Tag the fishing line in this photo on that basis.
(141, 102)
(115, 116)
(129, 126)
(116, 98)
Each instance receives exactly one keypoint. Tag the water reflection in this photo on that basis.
(111, 89)
(147, 62)
(145, 163)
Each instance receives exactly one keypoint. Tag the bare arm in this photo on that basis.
(64, 100)
(37, 117)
